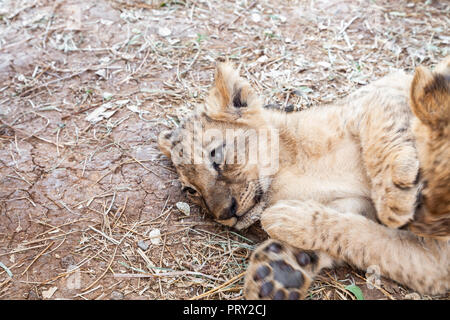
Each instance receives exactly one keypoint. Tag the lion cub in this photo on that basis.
(330, 184)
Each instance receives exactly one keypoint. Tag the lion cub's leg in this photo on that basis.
(421, 264)
(281, 272)
(390, 157)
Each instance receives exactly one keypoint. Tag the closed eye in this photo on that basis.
(216, 156)
(189, 190)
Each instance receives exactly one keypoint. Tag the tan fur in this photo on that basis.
(430, 102)
(342, 169)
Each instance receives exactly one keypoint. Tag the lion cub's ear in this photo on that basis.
(430, 97)
(230, 94)
(164, 143)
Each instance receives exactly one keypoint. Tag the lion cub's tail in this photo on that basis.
(430, 102)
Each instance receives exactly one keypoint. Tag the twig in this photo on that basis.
(104, 273)
(37, 257)
(104, 235)
(122, 210)
(21, 250)
(50, 20)
(164, 274)
(208, 293)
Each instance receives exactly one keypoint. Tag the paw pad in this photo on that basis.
(261, 272)
(293, 295)
(279, 295)
(274, 247)
(286, 275)
(278, 271)
(303, 258)
(266, 289)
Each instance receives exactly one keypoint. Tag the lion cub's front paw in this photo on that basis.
(396, 205)
(280, 272)
(294, 222)
(396, 195)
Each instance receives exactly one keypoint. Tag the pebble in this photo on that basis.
(184, 208)
(154, 234)
(164, 32)
(256, 17)
(143, 245)
(262, 59)
(116, 295)
(413, 296)
(32, 295)
(107, 95)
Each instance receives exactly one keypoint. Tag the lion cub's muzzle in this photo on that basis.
(229, 216)
(230, 211)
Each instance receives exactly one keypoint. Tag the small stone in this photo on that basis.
(107, 95)
(262, 59)
(101, 73)
(116, 295)
(164, 32)
(32, 295)
(142, 244)
(184, 208)
(413, 296)
(155, 236)
(21, 78)
(256, 17)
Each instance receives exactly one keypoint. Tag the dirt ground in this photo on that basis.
(85, 87)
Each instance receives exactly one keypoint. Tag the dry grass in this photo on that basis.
(85, 87)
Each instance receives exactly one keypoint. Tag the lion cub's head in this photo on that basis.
(223, 159)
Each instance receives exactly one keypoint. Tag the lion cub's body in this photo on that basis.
(344, 161)
(342, 170)
(324, 166)
(344, 154)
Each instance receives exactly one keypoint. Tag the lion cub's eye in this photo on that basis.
(216, 156)
(189, 190)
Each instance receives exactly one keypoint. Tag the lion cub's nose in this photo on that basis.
(230, 211)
